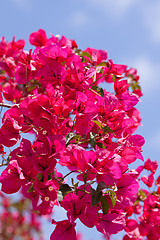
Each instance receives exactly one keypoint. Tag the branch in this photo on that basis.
(69, 174)
(5, 105)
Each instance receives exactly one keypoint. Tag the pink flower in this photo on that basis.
(44, 207)
(132, 229)
(47, 189)
(98, 56)
(11, 92)
(127, 189)
(131, 225)
(64, 230)
(113, 69)
(90, 216)
(127, 99)
(12, 178)
(68, 43)
(9, 133)
(151, 165)
(23, 74)
(148, 180)
(25, 158)
(121, 86)
(132, 73)
(79, 206)
(73, 205)
(111, 223)
(38, 38)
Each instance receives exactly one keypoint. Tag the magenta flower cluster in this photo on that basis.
(55, 94)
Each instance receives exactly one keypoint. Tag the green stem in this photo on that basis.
(97, 79)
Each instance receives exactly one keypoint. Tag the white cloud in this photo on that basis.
(114, 8)
(151, 19)
(78, 19)
(148, 72)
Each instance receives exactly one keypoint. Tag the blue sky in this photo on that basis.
(128, 29)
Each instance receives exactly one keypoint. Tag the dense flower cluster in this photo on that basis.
(56, 96)
(147, 207)
(17, 221)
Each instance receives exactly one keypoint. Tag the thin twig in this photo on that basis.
(1, 165)
(5, 105)
(95, 80)
(69, 174)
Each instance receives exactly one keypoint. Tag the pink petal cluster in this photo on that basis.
(147, 207)
(56, 97)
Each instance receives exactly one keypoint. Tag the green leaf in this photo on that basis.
(93, 191)
(103, 64)
(99, 90)
(8, 158)
(29, 89)
(31, 189)
(113, 197)
(69, 137)
(100, 145)
(85, 54)
(65, 189)
(72, 136)
(98, 123)
(40, 177)
(107, 129)
(105, 205)
(49, 176)
(135, 85)
(113, 78)
(141, 195)
(92, 139)
(138, 86)
(95, 196)
(101, 185)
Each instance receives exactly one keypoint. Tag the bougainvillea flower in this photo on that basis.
(132, 74)
(151, 165)
(64, 230)
(47, 189)
(97, 56)
(9, 133)
(148, 180)
(23, 74)
(90, 216)
(56, 96)
(121, 86)
(12, 178)
(38, 38)
(25, 158)
(127, 99)
(127, 190)
(131, 225)
(42, 205)
(78, 207)
(11, 92)
(111, 223)
(73, 205)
